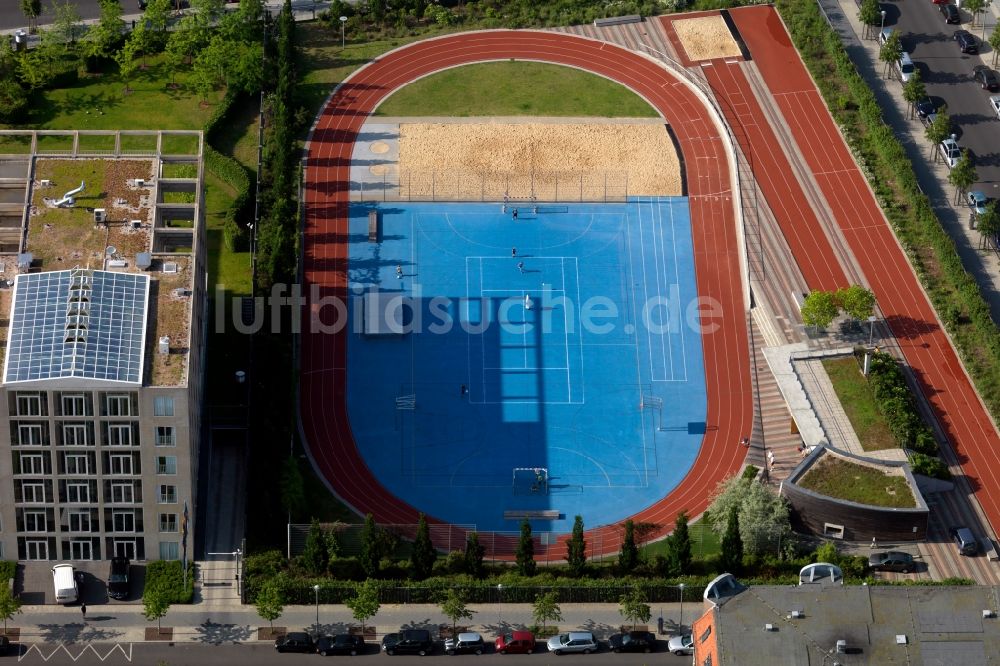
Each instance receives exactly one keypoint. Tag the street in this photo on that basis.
(12, 17)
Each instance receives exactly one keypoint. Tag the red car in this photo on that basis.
(516, 642)
(940, 2)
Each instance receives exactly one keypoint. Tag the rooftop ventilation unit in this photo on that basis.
(770, 627)
(797, 615)
(45, 182)
(136, 224)
(143, 260)
(164, 345)
(900, 639)
(988, 613)
(100, 215)
(24, 260)
(169, 267)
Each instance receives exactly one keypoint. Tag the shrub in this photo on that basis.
(931, 466)
(7, 571)
(167, 577)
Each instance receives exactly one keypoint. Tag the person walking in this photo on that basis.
(513, 252)
(399, 272)
(520, 266)
(463, 390)
(83, 609)
(515, 215)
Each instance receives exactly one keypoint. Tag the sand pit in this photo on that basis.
(706, 37)
(550, 162)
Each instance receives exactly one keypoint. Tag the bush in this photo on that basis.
(7, 571)
(931, 466)
(168, 577)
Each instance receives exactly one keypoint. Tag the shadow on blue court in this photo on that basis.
(550, 363)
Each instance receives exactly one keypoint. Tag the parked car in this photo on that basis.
(905, 67)
(986, 78)
(681, 644)
(951, 152)
(891, 560)
(926, 107)
(408, 641)
(885, 34)
(995, 104)
(516, 642)
(467, 642)
(977, 201)
(965, 540)
(929, 119)
(633, 641)
(118, 580)
(295, 641)
(340, 644)
(966, 41)
(950, 13)
(574, 642)
(65, 583)
(4, 646)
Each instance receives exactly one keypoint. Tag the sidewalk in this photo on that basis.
(125, 623)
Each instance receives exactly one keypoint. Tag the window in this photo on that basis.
(79, 521)
(167, 495)
(33, 463)
(163, 405)
(125, 548)
(168, 522)
(169, 550)
(122, 521)
(77, 491)
(165, 436)
(75, 434)
(122, 492)
(119, 434)
(80, 549)
(77, 463)
(74, 404)
(118, 405)
(29, 434)
(34, 521)
(36, 549)
(121, 463)
(32, 492)
(166, 464)
(30, 404)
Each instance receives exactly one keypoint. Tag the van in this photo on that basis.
(884, 35)
(966, 542)
(905, 67)
(64, 582)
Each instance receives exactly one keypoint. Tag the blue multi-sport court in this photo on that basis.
(566, 376)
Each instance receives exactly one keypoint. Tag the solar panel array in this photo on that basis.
(78, 323)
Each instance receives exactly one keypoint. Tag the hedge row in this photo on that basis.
(229, 170)
(953, 291)
(897, 404)
(7, 571)
(167, 576)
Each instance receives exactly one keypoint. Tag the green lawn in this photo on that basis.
(516, 89)
(704, 542)
(859, 404)
(230, 269)
(846, 480)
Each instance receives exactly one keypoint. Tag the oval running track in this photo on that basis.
(324, 420)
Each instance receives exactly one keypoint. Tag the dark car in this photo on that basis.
(4, 646)
(965, 540)
(408, 641)
(118, 581)
(950, 13)
(340, 644)
(966, 41)
(296, 641)
(891, 560)
(516, 642)
(633, 641)
(986, 78)
(926, 107)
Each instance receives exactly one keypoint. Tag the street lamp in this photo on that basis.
(316, 590)
(499, 605)
(871, 329)
(681, 622)
(883, 20)
(343, 22)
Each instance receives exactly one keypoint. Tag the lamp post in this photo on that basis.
(883, 21)
(681, 622)
(343, 22)
(871, 329)
(499, 605)
(316, 590)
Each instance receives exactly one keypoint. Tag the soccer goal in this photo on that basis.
(530, 481)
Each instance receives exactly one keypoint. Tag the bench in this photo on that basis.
(617, 20)
(373, 226)
(550, 514)
(990, 550)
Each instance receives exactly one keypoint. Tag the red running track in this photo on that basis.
(906, 307)
(324, 418)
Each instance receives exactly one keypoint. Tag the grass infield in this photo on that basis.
(859, 404)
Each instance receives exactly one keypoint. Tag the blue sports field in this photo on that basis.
(564, 377)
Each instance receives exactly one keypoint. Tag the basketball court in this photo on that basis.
(542, 366)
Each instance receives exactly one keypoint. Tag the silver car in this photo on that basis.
(582, 642)
(681, 644)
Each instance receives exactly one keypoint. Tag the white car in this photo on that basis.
(681, 644)
(951, 152)
(575, 642)
(995, 104)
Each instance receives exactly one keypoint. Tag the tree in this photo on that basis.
(628, 558)
(995, 43)
(315, 556)
(270, 601)
(914, 90)
(869, 14)
(963, 175)
(31, 10)
(155, 606)
(890, 52)
(453, 607)
(938, 131)
(364, 605)
(546, 608)
(157, 15)
(762, 515)
(474, 552)
(988, 225)
(731, 557)
(856, 301)
(819, 309)
(634, 608)
(370, 556)
(679, 545)
(142, 41)
(423, 555)
(13, 100)
(293, 496)
(576, 548)
(974, 7)
(208, 11)
(525, 554)
(104, 38)
(9, 605)
(67, 21)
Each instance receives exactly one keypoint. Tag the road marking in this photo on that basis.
(88, 646)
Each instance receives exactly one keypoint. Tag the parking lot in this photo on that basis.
(34, 585)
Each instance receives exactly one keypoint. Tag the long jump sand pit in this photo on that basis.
(706, 37)
(545, 161)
